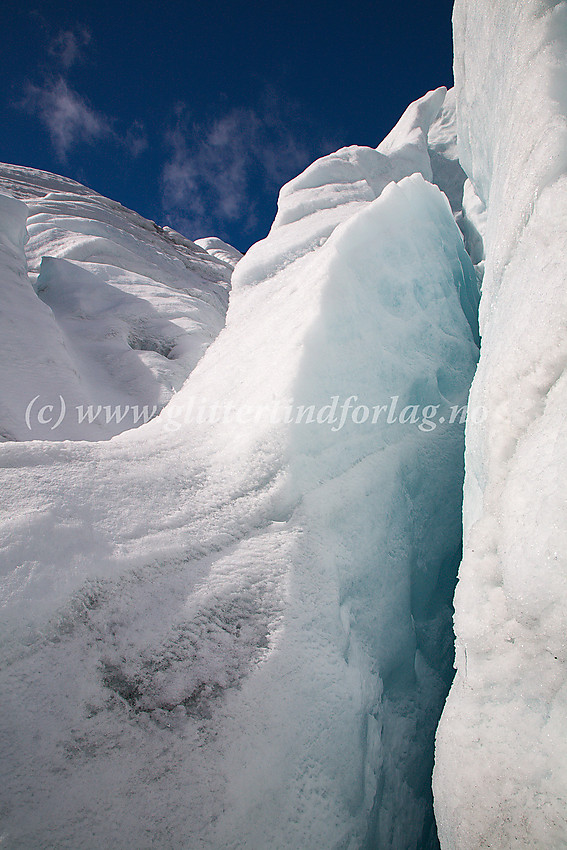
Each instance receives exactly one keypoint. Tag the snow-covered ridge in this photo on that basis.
(104, 313)
(336, 186)
(219, 249)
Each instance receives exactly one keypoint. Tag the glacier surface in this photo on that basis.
(104, 313)
(230, 627)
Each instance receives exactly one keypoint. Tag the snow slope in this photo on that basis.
(501, 756)
(104, 313)
(230, 626)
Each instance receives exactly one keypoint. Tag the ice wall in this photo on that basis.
(230, 627)
(500, 777)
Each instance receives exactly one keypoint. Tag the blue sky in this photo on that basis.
(195, 113)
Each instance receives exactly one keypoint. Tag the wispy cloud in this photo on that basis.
(217, 173)
(68, 45)
(67, 116)
(135, 139)
(70, 120)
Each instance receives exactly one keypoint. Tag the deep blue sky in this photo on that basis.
(195, 113)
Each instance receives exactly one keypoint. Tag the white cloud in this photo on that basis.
(70, 120)
(135, 140)
(215, 172)
(66, 115)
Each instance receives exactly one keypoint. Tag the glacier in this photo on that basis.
(228, 623)
(217, 619)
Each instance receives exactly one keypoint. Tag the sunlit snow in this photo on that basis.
(125, 310)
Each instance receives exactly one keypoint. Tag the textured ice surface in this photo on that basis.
(501, 776)
(109, 313)
(229, 628)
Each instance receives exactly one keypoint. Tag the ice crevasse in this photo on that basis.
(230, 627)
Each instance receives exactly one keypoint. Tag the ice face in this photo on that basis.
(500, 778)
(382, 511)
(110, 315)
